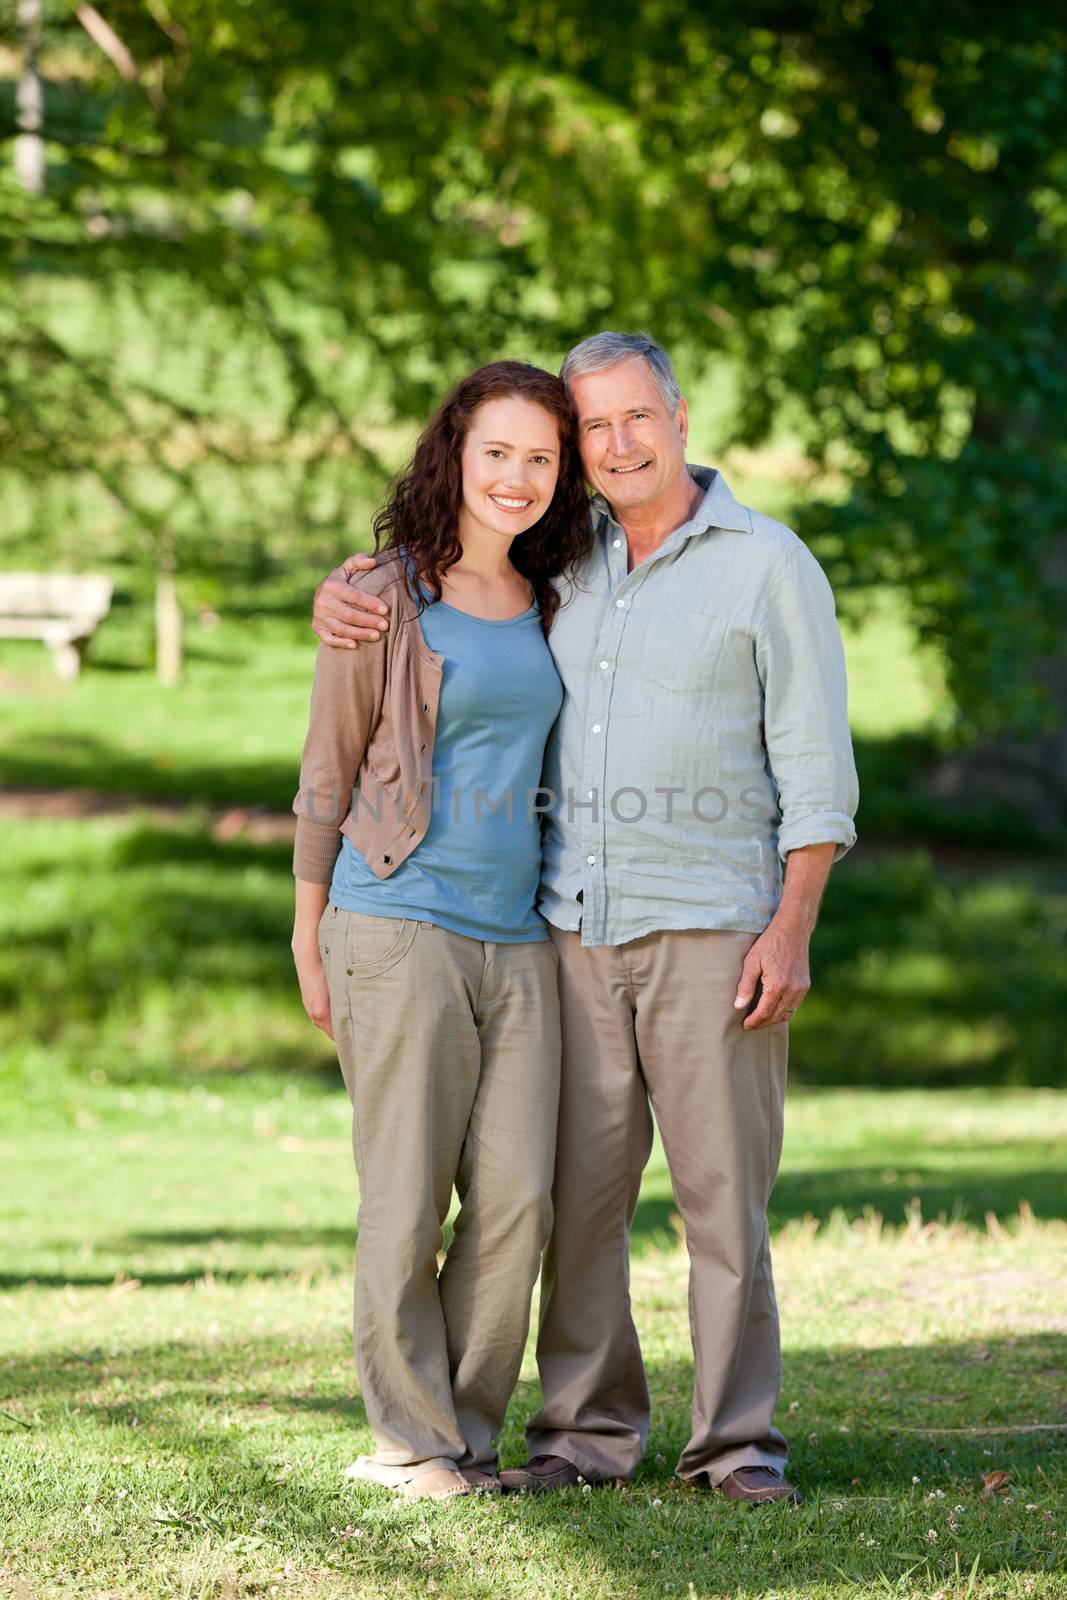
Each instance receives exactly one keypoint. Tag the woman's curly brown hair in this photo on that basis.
(422, 513)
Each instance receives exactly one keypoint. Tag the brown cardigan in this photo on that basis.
(373, 715)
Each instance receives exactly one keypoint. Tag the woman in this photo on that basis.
(415, 913)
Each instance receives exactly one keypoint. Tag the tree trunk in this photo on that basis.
(29, 102)
(168, 629)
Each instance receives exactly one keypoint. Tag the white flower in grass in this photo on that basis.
(931, 1536)
(657, 1503)
(839, 1505)
(916, 1480)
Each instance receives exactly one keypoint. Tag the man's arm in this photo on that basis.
(801, 663)
(343, 616)
(778, 959)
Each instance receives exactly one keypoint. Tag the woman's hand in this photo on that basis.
(314, 990)
(311, 900)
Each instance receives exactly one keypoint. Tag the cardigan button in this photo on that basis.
(388, 860)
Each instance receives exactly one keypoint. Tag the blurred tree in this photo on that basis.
(864, 205)
(331, 213)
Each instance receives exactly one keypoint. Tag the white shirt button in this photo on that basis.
(591, 860)
(617, 543)
(591, 795)
(596, 727)
(620, 602)
(603, 666)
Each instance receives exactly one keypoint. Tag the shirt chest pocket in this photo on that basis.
(679, 649)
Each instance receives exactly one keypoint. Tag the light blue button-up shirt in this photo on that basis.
(704, 730)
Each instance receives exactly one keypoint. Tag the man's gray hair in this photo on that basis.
(604, 350)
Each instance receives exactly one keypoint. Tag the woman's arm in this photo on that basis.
(347, 697)
(346, 706)
(311, 901)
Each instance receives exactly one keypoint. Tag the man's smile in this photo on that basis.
(637, 466)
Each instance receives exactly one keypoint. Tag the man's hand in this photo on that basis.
(778, 960)
(779, 957)
(345, 616)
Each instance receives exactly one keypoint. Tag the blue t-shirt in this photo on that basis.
(477, 870)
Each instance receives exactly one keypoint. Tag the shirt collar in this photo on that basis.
(718, 508)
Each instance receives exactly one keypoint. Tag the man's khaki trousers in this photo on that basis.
(450, 1053)
(653, 1020)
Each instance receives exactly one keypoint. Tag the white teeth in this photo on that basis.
(512, 505)
(636, 468)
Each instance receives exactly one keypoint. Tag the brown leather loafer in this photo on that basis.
(758, 1485)
(540, 1474)
(481, 1482)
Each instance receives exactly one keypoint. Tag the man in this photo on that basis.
(703, 742)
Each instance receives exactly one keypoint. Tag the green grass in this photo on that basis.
(178, 1398)
(230, 733)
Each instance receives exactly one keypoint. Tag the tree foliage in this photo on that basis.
(331, 210)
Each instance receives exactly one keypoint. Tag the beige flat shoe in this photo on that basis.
(440, 1484)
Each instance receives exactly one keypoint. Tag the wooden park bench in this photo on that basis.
(61, 609)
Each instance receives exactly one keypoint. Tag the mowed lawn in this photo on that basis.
(178, 1399)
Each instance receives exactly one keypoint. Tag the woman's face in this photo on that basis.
(510, 463)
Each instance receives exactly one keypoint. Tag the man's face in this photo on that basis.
(633, 448)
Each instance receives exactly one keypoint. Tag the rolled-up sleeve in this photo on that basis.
(801, 663)
(346, 705)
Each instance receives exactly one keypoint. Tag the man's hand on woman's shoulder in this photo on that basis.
(342, 614)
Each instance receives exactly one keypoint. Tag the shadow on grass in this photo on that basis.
(92, 761)
(964, 1196)
(917, 980)
(225, 1410)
